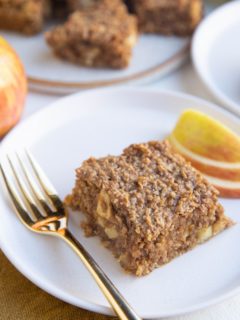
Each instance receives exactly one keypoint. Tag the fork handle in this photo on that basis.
(114, 297)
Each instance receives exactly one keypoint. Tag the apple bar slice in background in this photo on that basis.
(100, 36)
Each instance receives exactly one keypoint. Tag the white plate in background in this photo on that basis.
(216, 54)
(97, 123)
(153, 57)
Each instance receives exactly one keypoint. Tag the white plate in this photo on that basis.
(98, 123)
(216, 54)
(153, 56)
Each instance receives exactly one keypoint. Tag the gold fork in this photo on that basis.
(40, 209)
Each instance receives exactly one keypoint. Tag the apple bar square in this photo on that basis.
(147, 205)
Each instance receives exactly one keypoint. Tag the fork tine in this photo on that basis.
(44, 182)
(17, 202)
(25, 193)
(35, 188)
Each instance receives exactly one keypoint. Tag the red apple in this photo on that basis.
(13, 87)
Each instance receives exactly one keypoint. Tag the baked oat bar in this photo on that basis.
(26, 16)
(148, 205)
(177, 17)
(100, 36)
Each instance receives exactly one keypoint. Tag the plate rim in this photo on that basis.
(206, 80)
(173, 59)
(84, 303)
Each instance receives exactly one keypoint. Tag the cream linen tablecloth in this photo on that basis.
(21, 300)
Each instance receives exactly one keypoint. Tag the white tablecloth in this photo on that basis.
(183, 80)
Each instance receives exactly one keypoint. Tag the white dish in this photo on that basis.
(153, 57)
(216, 54)
(103, 122)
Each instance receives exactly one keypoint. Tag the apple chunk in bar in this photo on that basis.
(147, 205)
